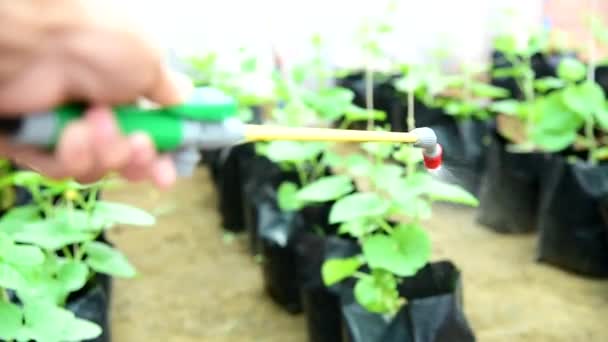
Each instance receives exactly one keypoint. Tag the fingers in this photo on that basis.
(170, 88)
(142, 160)
(163, 172)
(92, 147)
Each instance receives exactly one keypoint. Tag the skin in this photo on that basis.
(54, 52)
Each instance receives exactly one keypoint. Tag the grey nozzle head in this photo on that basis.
(186, 161)
(427, 140)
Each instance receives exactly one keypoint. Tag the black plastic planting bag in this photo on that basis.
(281, 233)
(317, 243)
(261, 178)
(434, 312)
(572, 221)
(93, 304)
(321, 304)
(278, 240)
(229, 185)
(510, 191)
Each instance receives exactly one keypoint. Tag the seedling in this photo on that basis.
(50, 249)
(391, 251)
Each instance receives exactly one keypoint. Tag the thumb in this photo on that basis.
(170, 88)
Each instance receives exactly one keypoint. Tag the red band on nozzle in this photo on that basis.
(434, 162)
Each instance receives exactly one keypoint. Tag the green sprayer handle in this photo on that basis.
(166, 126)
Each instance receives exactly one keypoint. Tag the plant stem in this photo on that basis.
(92, 197)
(67, 252)
(589, 134)
(345, 123)
(301, 175)
(369, 93)
(385, 226)
(411, 123)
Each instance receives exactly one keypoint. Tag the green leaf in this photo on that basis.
(73, 275)
(408, 155)
(331, 103)
(506, 72)
(51, 234)
(47, 322)
(326, 189)
(553, 141)
(548, 83)
(11, 318)
(384, 176)
(118, 213)
(78, 219)
(571, 69)
(415, 207)
(506, 44)
(82, 330)
(553, 116)
(488, 91)
(287, 197)
(357, 206)
(584, 99)
(357, 228)
(336, 270)
(290, 151)
(358, 165)
(105, 259)
(23, 255)
(403, 252)
(445, 192)
(601, 116)
(381, 150)
(10, 278)
(14, 219)
(354, 114)
(27, 178)
(511, 107)
(556, 124)
(378, 293)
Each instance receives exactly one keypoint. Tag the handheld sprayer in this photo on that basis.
(205, 122)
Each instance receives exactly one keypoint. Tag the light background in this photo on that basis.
(190, 27)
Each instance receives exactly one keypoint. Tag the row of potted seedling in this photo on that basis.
(341, 233)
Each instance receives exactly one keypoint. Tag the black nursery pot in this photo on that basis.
(93, 303)
(572, 221)
(321, 304)
(434, 312)
(278, 241)
(261, 179)
(511, 189)
(280, 238)
(229, 183)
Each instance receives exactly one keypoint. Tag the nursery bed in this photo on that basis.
(196, 286)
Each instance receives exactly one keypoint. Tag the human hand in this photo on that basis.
(55, 52)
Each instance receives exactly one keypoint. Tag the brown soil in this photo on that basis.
(198, 284)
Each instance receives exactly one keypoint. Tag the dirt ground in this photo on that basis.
(198, 284)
